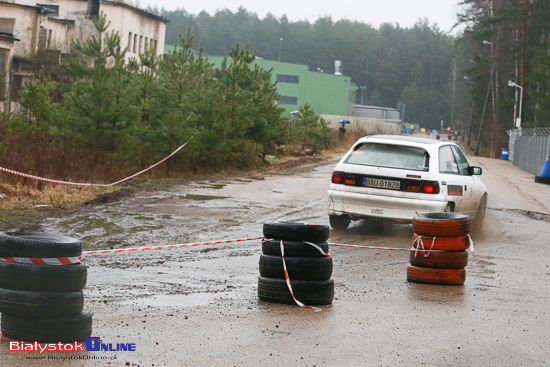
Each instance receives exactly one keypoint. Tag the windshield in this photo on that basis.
(390, 156)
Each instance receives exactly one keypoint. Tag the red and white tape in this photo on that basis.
(370, 247)
(471, 243)
(419, 245)
(44, 261)
(78, 259)
(318, 248)
(89, 184)
(167, 246)
(288, 279)
(224, 241)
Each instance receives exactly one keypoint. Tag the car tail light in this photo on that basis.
(429, 187)
(338, 177)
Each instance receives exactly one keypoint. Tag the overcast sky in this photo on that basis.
(375, 12)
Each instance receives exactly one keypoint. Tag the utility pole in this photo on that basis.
(453, 97)
(476, 150)
(523, 38)
(470, 126)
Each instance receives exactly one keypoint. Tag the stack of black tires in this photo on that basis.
(309, 269)
(40, 301)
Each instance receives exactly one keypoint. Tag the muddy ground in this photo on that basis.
(198, 306)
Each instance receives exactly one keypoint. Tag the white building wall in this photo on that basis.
(60, 35)
(27, 22)
(137, 29)
(66, 8)
(124, 19)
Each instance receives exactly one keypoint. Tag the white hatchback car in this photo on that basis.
(394, 176)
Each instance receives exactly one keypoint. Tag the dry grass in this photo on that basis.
(19, 201)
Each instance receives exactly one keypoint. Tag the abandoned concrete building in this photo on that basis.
(32, 30)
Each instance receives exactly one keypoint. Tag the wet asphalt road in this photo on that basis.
(198, 306)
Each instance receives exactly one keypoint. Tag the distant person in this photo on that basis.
(342, 130)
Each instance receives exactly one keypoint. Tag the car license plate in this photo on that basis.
(381, 184)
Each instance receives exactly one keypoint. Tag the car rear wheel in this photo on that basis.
(477, 225)
(339, 222)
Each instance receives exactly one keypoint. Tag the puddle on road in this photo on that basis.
(91, 224)
(99, 228)
(142, 217)
(213, 186)
(230, 222)
(202, 197)
(144, 229)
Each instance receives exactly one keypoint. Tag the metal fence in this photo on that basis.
(528, 148)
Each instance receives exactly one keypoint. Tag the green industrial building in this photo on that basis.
(328, 94)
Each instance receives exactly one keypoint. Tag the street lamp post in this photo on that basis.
(362, 93)
(280, 45)
(512, 84)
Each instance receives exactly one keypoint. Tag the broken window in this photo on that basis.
(4, 60)
(52, 9)
(42, 36)
(17, 86)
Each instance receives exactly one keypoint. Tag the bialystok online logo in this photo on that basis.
(93, 344)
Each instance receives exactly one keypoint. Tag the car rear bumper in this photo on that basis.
(395, 208)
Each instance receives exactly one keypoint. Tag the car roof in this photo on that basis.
(407, 138)
(430, 145)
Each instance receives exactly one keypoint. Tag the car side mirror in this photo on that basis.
(474, 170)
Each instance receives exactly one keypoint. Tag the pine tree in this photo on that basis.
(100, 103)
(183, 103)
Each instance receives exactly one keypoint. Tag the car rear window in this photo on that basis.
(389, 156)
